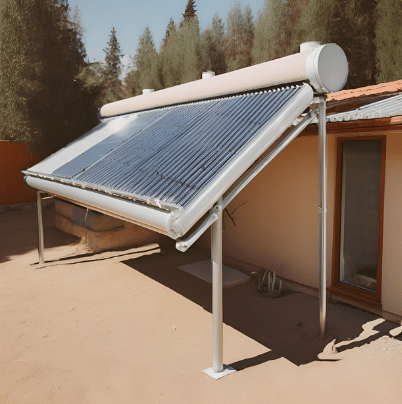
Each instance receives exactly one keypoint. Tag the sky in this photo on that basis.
(130, 17)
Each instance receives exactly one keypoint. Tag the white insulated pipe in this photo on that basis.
(324, 66)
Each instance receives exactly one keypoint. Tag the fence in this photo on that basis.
(14, 157)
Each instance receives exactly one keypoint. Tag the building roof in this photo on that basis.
(386, 107)
(375, 90)
(364, 109)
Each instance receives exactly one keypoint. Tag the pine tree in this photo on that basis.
(146, 62)
(170, 30)
(180, 61)
(190, 50)
(388, 36)
(172, 59)
(239, 37)
(112, 61)
(190, 11)
(145, 51)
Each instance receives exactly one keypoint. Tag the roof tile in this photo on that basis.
(378, 89)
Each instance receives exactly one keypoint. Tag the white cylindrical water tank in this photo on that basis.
(325, 67)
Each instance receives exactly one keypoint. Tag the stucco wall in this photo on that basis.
(392, 247)
(278, 224)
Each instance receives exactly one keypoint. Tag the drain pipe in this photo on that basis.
(218, 369)
(40, 229)
(322, 209)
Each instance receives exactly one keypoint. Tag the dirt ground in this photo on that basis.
(129, 327)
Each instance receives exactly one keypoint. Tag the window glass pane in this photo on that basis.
(360, 212)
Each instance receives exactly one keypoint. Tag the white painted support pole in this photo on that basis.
(40, 229)
(218, 369)
(322, 143)
(217, 307)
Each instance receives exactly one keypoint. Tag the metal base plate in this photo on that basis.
(203, 270)
(227, 370)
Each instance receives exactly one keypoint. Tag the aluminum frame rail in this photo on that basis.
(184, 244)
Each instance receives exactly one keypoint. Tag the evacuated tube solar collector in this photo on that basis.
(167, 159)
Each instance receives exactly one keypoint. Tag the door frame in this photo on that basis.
(342, 289)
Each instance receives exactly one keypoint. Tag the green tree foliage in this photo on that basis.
(315, 20)
(351, 25)
(267, 30)
(42, 100)
(146, 69)
(131, 82)
(146, 52)
(170, 30)
(190, 12)
(112, 69)
(239, 37)
(368, 31)
(92, 78)
(388, 35)
(172, 59)
(212, 49)
(179, 57)
(276, 29)
(147, 63)
(189, 36)
(169, 56)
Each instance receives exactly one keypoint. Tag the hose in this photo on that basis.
(270, 289)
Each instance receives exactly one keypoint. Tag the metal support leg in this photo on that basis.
(322, 143)
(216, 256)
(218, 369)
(40, 229)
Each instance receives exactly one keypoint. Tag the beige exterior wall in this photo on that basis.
(392, 247)
(277, 217)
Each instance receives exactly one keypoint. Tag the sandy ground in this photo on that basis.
(129, 327)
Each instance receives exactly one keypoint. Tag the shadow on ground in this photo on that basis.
(19, 232)
(288, 326)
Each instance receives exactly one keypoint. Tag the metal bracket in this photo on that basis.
(184, 244)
